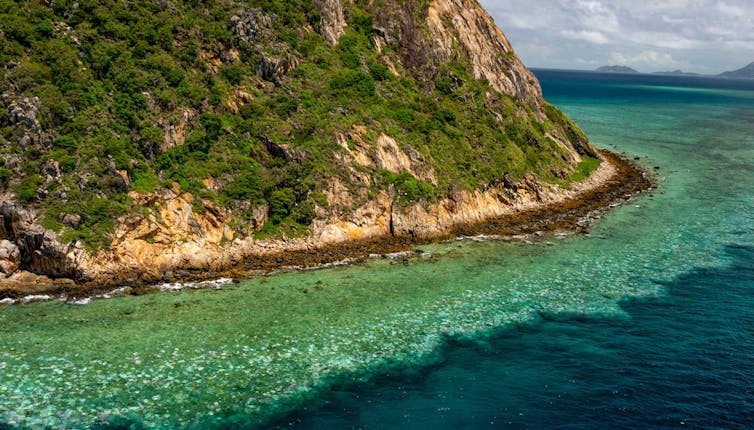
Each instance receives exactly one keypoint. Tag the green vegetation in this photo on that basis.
(170, 92)
(407, 187)
(584, 169)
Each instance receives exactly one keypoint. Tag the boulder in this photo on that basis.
(71, 220)
(10, 257)
(270, 68)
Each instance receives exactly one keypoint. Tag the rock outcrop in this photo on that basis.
(10, 257)
(40, 250)
(484, 46)
(333, 19)
(455, 30)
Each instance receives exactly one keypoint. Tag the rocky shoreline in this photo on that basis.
(617, 181)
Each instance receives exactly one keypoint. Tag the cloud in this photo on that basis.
(648, 60)
(708, 35)
(589, 36)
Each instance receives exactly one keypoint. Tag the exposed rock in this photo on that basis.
(251, 25)
(454, 30)
(259, 217)
(51, 170)
(153, 107)
(10, 257)
(175, 133)
(125, 181)
(385, 153)
(13, 220)
(282, 150)
(83, 180)
(486, 47)
(40, 250)
(333, 20)
(118, 178)
(23, 113)
(215, 60)
(63, 30)
(71, 220)
(25, 141)
(238, 98)
(391, 157)
(173, 236)
(270, 68)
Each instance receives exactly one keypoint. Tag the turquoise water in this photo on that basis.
(644, 322)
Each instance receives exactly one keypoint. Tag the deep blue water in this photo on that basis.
(682, 359)
(685, 360)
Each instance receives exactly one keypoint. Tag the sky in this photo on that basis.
(701, 36)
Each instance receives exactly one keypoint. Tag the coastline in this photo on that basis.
(616, 181)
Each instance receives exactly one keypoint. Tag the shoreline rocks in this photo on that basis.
(549, 211)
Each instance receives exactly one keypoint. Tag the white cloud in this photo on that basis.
(648, 60)
(589, 36)
(730, 10)
(708, 36)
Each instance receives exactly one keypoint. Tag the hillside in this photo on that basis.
(744, 72)
(153, 135)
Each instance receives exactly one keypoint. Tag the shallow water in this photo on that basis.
(480, 334)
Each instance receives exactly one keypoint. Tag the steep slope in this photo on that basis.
(744, 72)
(139, 138)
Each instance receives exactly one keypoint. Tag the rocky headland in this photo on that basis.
(290, 137)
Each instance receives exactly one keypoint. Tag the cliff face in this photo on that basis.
(263, 129)
(448, 30)
(485, 47)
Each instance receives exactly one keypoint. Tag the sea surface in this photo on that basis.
(646, 322)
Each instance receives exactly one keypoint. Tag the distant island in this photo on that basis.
(677, 73)
(744, 72)
(616, 69)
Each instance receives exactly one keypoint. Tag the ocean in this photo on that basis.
(645, 322)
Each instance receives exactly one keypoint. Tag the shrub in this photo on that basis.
(353, 84)
(281, 203)
(65, 142)
(26, 190)
(233, 73)
(244, 187)
(5, 175)
(409, 188)
(379, 71)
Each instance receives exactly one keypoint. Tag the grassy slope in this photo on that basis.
(109, 86)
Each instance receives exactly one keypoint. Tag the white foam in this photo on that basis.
(7, 301)
(85, 301)
(178, 286)
(36, 298)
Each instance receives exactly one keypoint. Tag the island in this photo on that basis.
(616, 69)
(746, 72)
(154, 142)
(677, 73)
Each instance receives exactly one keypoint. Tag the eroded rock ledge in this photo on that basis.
(177, 243)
